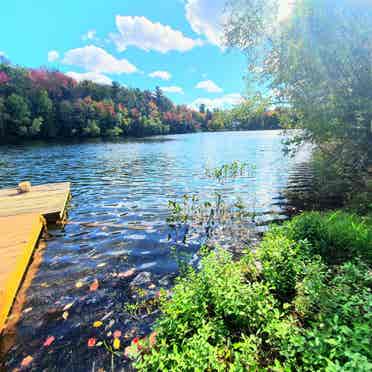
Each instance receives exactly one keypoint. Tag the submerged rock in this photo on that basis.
(141, 279)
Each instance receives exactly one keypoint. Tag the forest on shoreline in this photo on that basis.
(47, 104)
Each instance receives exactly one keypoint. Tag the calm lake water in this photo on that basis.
(117, 222)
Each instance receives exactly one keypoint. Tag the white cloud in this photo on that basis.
(90, 35)
(2, 54)
(94, 59)
(285, 8)
(206, 17)
(144, 34)
(53, 56)
(223, 102)
(164, 75)
(172, 89)
(93, 76)
(209, 86)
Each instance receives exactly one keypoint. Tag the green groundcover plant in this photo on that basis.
(302, 302)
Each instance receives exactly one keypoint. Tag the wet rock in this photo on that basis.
(141, 279)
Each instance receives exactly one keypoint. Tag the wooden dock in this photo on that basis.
(22, 219)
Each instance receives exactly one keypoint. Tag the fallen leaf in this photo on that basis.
(117, 334)
(116, 344)
(127, 351)
(68, 306)
(79, 284)
(49, 341)
(97, 324)
(65, 315)
(152, 338)
(152, 286)
(27, 361)
(127, 273)
(27, 310)
(94, 286)
(91, 342)
(102, 264)
(100, 343)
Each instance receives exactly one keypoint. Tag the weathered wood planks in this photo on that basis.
(48, 200)
(18, 238)
(22, 219)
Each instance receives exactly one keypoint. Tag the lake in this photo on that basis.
(117, 222)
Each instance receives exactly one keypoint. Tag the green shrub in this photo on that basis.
(339, 335)
(282, 265)
(280, 309)
(336, 236)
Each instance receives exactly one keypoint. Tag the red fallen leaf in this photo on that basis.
(91, 342)
(94, 286)
(117, 334)
(27, 361)
(49, 341)
(127, 273)
(135, 340)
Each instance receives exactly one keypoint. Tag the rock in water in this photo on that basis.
(141, 279)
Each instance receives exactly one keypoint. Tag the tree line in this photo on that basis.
(44, 104)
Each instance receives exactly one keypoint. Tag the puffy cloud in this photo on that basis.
(210, 86)
(206, 17)
(144, 34)
(90, 35)
(53, 56)
(222, 102)
(93, 76)
(172, 89)
(164, 75)
(95, 59)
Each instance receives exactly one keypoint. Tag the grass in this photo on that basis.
(302, 302)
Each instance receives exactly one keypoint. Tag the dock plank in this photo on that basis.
(22, 219)
(18, 238)
(48, 200)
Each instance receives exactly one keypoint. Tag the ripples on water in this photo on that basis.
(117, 222)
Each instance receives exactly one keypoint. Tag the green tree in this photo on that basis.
(43, 107)
(317, 61)
(19, 115)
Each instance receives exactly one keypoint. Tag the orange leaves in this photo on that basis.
(79, 284)
(27, 361)
(49, 341)
(116, 344)
(94, 286)
(152, 339)
(127, 273)
(97, 324)
(92, 342)
(65, 315)
(117, 334)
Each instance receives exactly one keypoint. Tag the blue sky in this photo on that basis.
(176, 41)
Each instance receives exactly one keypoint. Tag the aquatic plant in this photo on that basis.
(229, 171)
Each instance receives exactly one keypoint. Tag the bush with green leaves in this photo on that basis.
(283, 308)
(335, 236)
